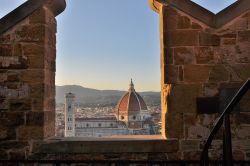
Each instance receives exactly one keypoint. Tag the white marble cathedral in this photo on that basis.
(131, 118)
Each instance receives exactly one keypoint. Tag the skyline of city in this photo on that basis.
(128, 43)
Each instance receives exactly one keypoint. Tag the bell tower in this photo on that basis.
(69, 115)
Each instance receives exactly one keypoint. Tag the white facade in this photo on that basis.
(69, 115)
(99, 127)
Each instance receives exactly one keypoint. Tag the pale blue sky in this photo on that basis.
(103, 43)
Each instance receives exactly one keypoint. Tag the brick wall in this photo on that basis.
(27, 83)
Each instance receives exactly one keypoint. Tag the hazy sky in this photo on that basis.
(103, 43)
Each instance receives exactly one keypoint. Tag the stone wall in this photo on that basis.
(199, 60)
(27, 83)
(202, 61)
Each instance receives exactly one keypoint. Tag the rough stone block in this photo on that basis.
(170, 74)
(37, 90)
(11, 119)
(170, 17)
(168, 56)
(32, 76)
(5, 38)
(182, 98)
(180, 77)
(229, 41)
(194, 155)
(19, 105)
(243, 132)
(17, 154)
(211, 89)
(174, 125)
(184, 55)
(198, 132)
(183, 22)
(38, 17)
(207, 39)
(37, 104)
(196, 73)
(189, 145)
(33, 50)
(245, 104)
(242, 70)
(13, 144)
(30, 133)
(238, 155)
(5, 50)
(35, 118)
(181, 38)
(218, 73)
(244, 36)
(36, 62)
(196, 26)
(190, 119)
(31, 33)
(3, 155)
(204, 55)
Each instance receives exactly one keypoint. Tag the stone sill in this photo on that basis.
(119, 144)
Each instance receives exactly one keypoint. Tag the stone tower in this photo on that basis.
(69, 115)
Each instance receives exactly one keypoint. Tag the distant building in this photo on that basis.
(69, 130)
(131, 117)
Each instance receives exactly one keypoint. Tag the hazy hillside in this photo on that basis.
(94, 96)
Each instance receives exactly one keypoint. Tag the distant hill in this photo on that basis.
(87, 96)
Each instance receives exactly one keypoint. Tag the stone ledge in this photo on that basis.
(134, 144)
(26, 9)
(202, 14)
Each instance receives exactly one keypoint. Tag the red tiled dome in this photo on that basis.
(131, 102)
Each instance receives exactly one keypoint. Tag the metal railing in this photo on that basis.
(224, 117)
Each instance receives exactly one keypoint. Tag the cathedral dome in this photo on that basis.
(131, 102)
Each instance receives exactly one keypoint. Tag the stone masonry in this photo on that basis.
(27, 81)
(201, 59)
(202, 56)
